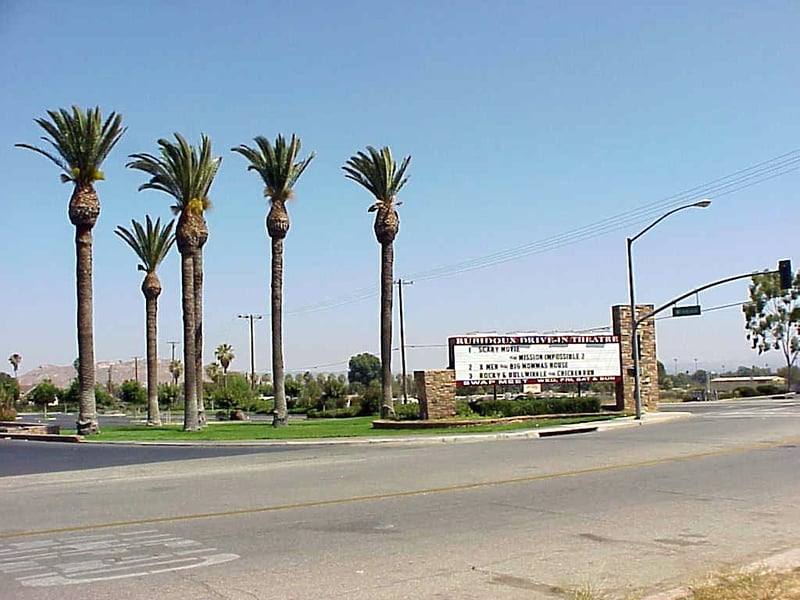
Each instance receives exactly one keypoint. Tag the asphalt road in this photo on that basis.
(622, 510)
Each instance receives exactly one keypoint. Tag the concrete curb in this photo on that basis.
(781, 562)
(559, 430)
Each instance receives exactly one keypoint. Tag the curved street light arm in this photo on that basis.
(653, 313)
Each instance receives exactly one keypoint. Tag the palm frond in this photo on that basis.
(151, 243)
(182, 171)
(277, 164)
(80, 142)
(377, 171)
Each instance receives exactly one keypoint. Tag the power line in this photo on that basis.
(723, 186)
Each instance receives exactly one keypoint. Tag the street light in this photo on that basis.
(634, 339)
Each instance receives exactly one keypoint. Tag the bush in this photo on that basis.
(337, 413)
(745, 392)
(768, 389)
(535, 406)
(7, 413)
(407, 412)
(463, 408)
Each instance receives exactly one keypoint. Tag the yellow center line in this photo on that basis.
(402, 494)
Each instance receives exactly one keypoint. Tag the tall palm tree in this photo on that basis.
(224, 354)
(279, 169)
(151, 244)
(15, 360)
(80, 142)
(378, 172)
(186, 174)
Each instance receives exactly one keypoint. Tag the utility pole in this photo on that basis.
(173, 344)
(400, 283)
(136, 368)
(251, 318)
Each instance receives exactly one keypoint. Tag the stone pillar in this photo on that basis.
(436, 391)
(648, 363)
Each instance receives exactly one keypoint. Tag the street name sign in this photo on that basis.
(686, 311)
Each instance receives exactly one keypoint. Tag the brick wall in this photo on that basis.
(436, 391)
(648, 363)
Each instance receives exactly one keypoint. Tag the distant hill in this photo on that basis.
(61, 376)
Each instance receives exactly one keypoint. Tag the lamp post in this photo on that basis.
(637, 392)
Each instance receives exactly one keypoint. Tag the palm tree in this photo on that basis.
(213, 371)
(15, 360)
(279, 169)
(224, 354)
(186, 174)
(151, 244)
(80, 142)
(377, 171)
(176, 370)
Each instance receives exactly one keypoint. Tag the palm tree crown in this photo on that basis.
(277, 165)
(224, 354)
(151, 243)
(182, 171)
(379, 174)
(81, 141)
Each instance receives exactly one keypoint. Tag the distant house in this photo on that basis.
(728, 384)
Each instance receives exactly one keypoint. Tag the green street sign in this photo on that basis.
(686, 311)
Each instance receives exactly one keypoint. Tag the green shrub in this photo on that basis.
(407, 412)
(7, 413)
(535, 406)
(768, 389)
(463, 408)
(745, 392)
(336, 413)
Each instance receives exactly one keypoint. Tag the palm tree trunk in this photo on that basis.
(153, 413)
(387, 283)
(190, 422)
(279, 417)
(198, 338)
(87, 407)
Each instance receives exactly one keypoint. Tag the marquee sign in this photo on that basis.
(508, 360)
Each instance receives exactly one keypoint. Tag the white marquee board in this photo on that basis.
(526, 359)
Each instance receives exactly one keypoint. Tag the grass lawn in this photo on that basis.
(310, 429)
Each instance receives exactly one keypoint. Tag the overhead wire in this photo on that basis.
(723, 186)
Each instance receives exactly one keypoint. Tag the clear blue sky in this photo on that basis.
(525, 120)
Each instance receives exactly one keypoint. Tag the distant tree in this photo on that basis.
(43, 394)
(334, 389)
(105, 399)
(9, 394)
(311, 394)
(772, 318)
(224, 355)
(213, 372)
(78, 143)
(15, 360)
(235, 394)
(293, 386)
(132, 393)
(168, 394)
(364, 368)
(176, 370)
